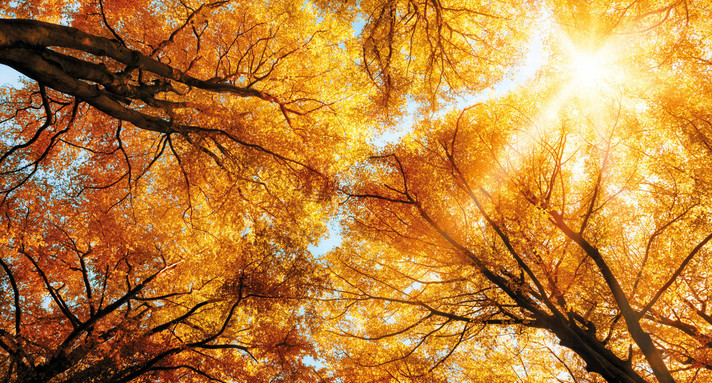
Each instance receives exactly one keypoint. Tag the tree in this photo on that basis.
(167, 166)
(165, 169)
(566, 219)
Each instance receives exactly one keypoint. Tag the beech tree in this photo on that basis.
(557, 232)
(166, 168)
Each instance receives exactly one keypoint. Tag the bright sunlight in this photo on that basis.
(589, 69)
(594, 70)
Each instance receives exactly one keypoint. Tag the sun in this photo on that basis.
(593, 66)
(594, 71)
(589, 69)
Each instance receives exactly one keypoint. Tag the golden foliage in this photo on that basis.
(167, 169)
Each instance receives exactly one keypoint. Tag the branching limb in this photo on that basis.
(16, 295)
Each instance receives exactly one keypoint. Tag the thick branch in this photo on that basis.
(641, 338)
(16, 293)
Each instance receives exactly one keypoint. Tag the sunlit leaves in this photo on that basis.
(164, 177)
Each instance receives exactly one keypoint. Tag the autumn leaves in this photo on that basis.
(163, 179)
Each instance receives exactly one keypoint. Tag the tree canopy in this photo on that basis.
(522, 191)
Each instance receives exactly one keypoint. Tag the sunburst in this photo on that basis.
(589, 70)
(594, 68)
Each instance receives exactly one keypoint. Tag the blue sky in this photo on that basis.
(9, 76)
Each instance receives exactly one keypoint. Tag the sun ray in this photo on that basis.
(593, 68)
(589, 69)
